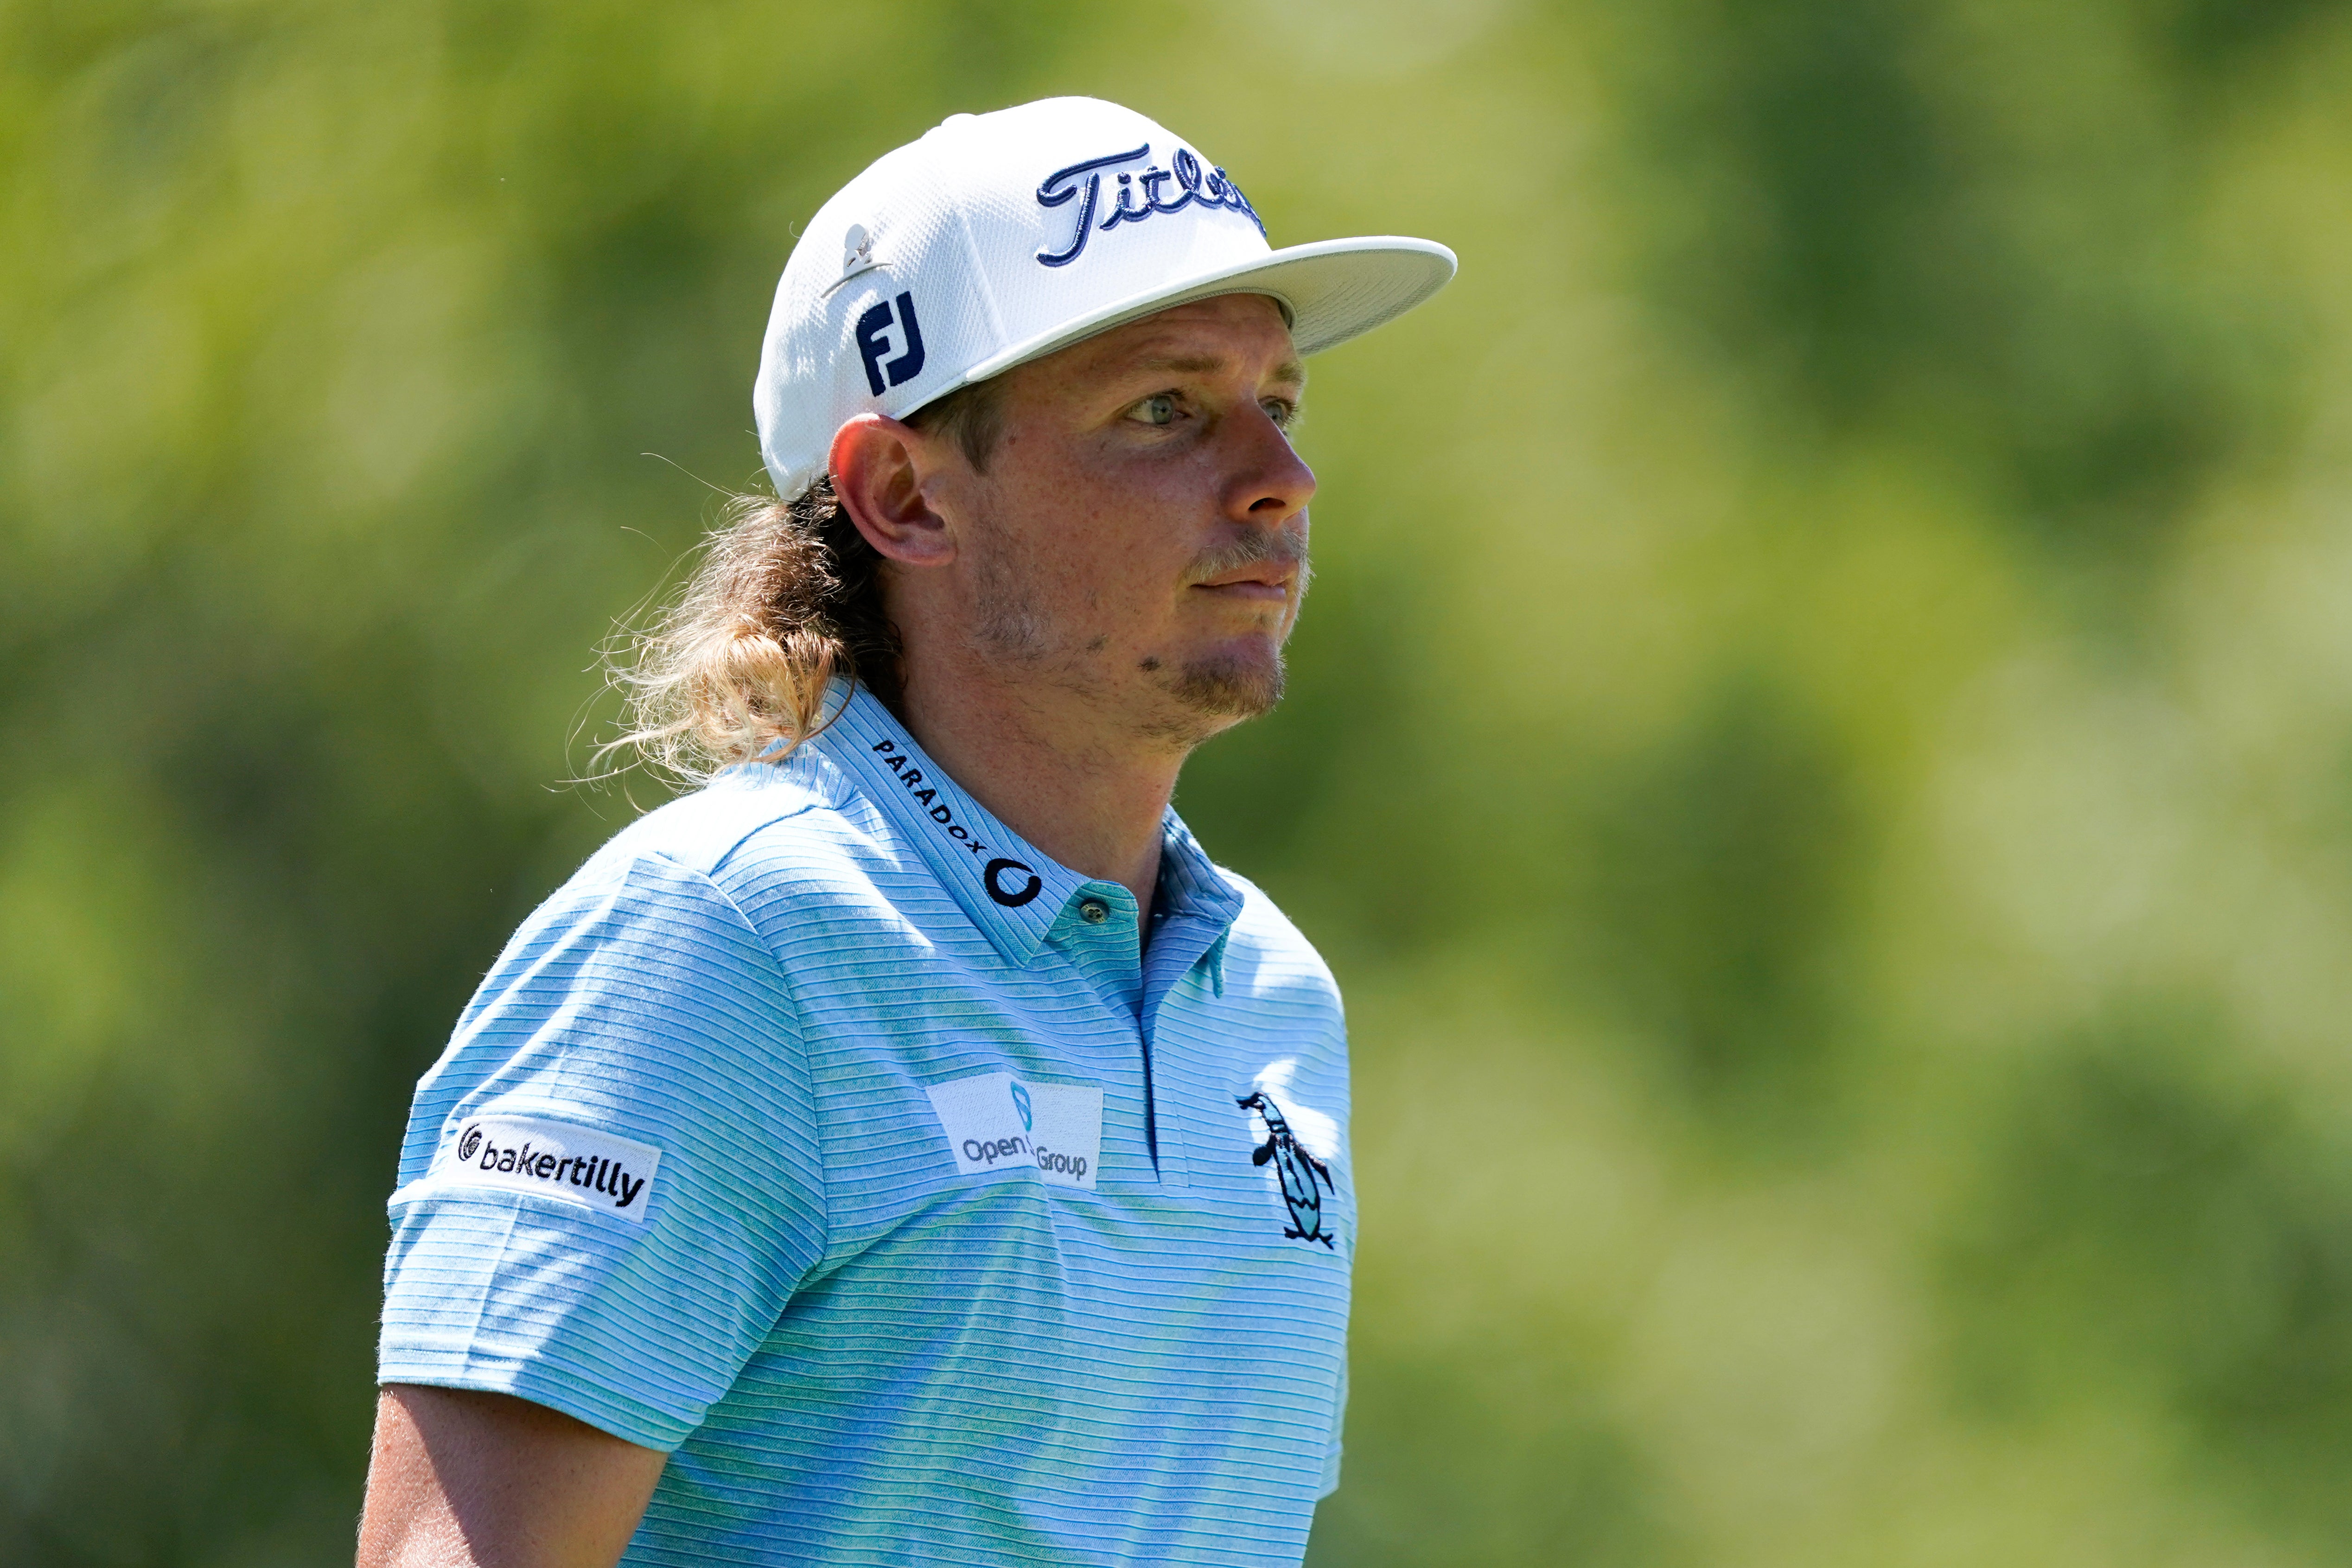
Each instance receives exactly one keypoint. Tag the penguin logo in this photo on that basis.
(1302, 1176)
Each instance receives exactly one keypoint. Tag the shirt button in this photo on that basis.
(1093, 911)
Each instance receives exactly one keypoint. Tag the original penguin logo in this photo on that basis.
(1011, 898)
(1302, 1176)
(467, 1144)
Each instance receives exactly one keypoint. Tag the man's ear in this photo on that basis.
(880, 473)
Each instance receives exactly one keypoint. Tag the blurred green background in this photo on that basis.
(1822, 748)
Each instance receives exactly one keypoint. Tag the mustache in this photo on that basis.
(1283, 547)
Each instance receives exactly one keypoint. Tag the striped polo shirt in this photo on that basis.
(828, 1137)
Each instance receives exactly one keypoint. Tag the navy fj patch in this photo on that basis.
(873, 346)
(1304, 1178)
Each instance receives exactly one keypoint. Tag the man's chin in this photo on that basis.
(1226, 691)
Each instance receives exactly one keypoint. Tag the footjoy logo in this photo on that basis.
(993, 1121)
(553, 1159)
(871, 345)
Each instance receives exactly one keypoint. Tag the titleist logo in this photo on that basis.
(1140, 195)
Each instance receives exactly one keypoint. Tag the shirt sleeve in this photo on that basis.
(612, 1183)
(1331, 1445)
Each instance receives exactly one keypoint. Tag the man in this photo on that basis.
(910, 1148)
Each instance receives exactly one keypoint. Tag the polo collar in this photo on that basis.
(1008, 890)
(1191, 888)
(1011, 889)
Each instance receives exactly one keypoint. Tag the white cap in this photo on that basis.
(998, 238)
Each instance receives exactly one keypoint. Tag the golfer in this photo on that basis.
(909, 1147)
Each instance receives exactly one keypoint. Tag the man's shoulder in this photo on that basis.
(793, 842)
(756, 867)
(1266, 951)
(704, 830)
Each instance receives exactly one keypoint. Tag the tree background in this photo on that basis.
(1821, 750)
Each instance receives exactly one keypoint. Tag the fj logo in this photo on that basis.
(871, 345)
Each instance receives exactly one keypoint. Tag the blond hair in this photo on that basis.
(786, 598)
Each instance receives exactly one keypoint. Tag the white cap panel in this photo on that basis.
(998, 238)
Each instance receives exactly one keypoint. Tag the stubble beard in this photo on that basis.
(1225, 691)
(1009, 625)
(1013, 626)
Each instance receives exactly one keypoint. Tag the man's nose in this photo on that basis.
(1271, 482)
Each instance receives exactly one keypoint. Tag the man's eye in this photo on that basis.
(1156, 410)
(1284, 415)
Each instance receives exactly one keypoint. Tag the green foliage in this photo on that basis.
(1818, 749)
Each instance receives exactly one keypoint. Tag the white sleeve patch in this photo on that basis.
(996, 1122)
(555, 1159)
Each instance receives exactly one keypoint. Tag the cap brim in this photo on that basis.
(1332, 290)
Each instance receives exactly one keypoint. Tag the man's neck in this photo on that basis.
(1085, 794)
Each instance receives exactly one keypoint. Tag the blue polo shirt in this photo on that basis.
(825, 1135)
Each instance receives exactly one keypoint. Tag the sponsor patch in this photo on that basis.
(555, 1159)
(995, 1121)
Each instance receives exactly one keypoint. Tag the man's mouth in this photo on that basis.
(1267, 580)
(1259, 568)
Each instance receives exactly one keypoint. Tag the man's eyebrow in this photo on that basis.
(1290, 370)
